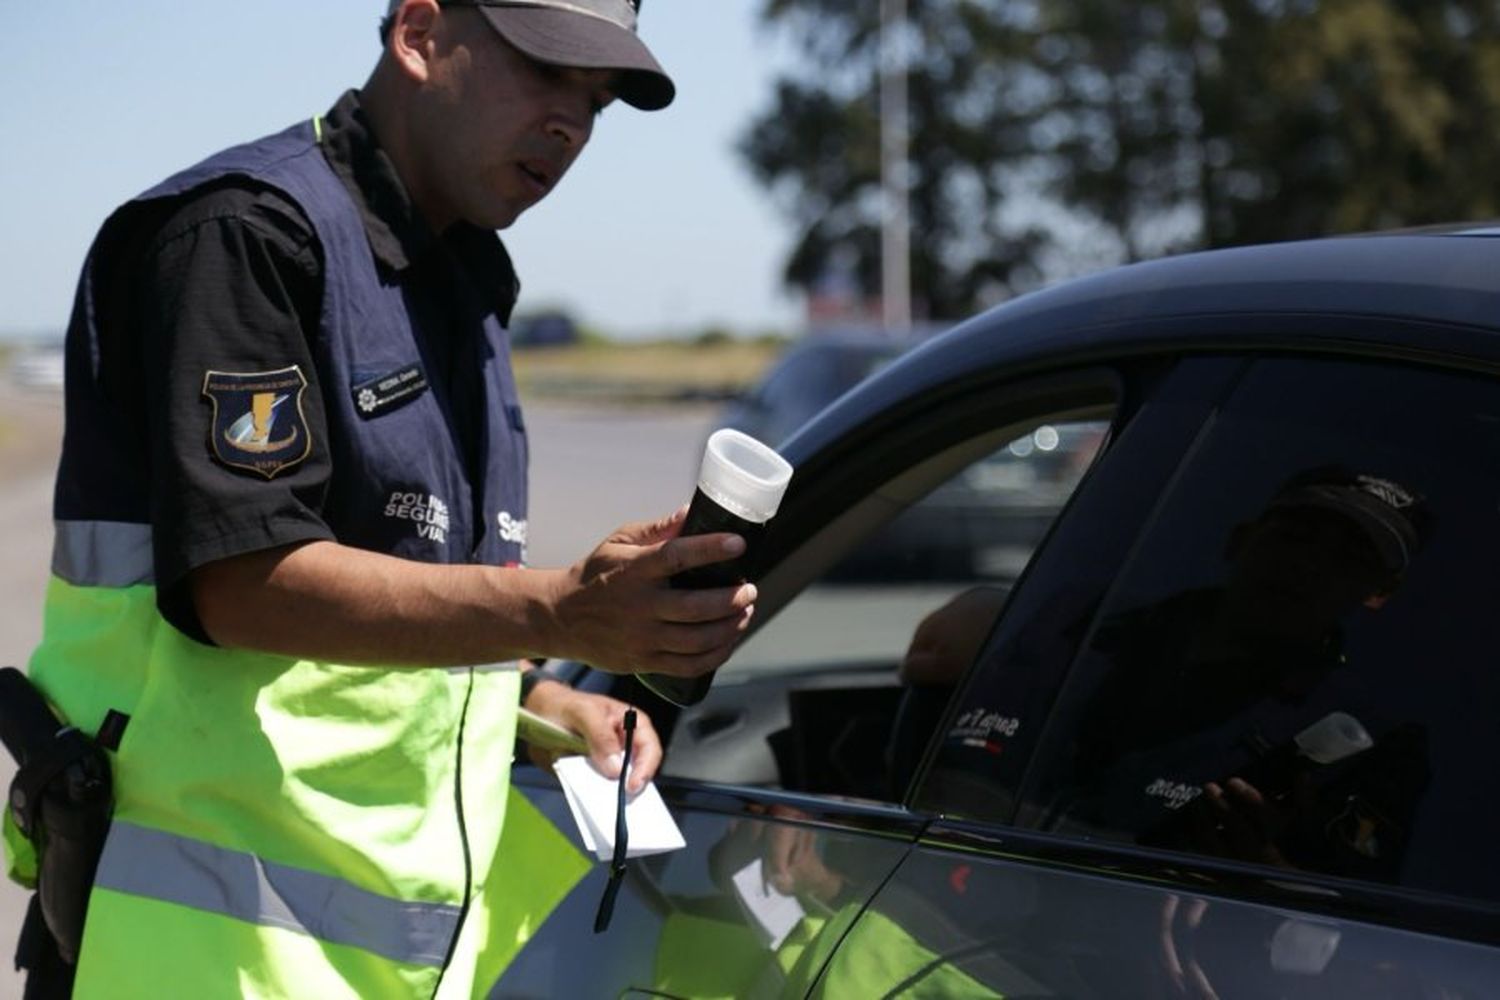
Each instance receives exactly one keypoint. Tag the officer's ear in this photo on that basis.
(412, 41)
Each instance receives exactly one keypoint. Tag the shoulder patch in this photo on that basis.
(258, 422)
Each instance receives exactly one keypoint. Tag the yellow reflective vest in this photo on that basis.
(287, 827)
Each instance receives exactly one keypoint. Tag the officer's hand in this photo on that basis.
(1186, 976)
(600, 720)
(1236, 821)
(616, 611)
(792, 859)
(948, 639)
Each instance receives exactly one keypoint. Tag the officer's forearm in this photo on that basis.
(326, 601)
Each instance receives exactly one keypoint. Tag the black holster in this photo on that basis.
(61, 799)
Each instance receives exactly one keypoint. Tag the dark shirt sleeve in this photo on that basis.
(230, 283)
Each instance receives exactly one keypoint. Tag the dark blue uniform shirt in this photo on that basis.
(230, 277)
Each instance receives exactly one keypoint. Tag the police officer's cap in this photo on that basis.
(587, 34)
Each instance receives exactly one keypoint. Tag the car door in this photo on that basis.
(787, 781)
(1264, 765)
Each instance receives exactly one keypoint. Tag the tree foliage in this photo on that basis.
(1054, 136)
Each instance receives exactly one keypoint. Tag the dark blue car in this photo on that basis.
(1229, 732)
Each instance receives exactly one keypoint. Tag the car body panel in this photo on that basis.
(1005, 916)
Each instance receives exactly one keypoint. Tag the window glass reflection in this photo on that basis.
(1297, 668)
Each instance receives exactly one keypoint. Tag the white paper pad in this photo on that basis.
(592, 798)
(775, 914)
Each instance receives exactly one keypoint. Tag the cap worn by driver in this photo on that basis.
(585, 34)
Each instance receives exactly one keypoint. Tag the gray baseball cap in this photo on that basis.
(587, 34)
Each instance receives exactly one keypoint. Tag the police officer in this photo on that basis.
(291, 522)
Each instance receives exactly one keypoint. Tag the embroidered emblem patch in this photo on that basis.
(375, 396)
(258, 421)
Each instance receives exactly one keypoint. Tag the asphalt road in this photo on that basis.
(592, 469)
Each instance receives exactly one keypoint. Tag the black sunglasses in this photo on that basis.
(622, 836)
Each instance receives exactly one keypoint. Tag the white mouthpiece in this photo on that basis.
(744, 476)
(1335, 736)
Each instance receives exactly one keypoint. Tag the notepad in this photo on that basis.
(592, 799)
(774, 912)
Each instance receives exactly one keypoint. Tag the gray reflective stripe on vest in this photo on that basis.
(102, 553)
(173, 869)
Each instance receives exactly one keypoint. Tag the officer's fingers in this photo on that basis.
(696, 550)
(695, 606)
(604, 738)
(645, 753)
(1216, 797)
(1259, 814)
(703, 637)
(1246, 792)
(1168, 944)
(543, 759)
(650, 532)
(1203, 988)
(781, 851)
(607, 741)
(801, 847)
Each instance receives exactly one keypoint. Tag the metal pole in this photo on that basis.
(895, 234)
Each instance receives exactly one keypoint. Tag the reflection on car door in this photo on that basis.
(752, 907)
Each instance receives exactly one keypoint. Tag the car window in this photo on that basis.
(840, 692)
(1297, 667)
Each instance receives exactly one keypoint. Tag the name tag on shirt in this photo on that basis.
(384, 393)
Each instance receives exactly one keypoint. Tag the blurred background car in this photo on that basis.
(544, 329)
(810, 374)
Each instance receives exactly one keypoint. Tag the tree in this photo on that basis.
(1055, 136)
(819, 148)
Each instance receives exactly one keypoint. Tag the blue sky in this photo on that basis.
(658, 230)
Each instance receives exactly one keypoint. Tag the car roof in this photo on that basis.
(1432, 295)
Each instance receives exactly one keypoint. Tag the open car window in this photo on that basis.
(839, 693)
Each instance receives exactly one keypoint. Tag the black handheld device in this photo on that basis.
(740, 486)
